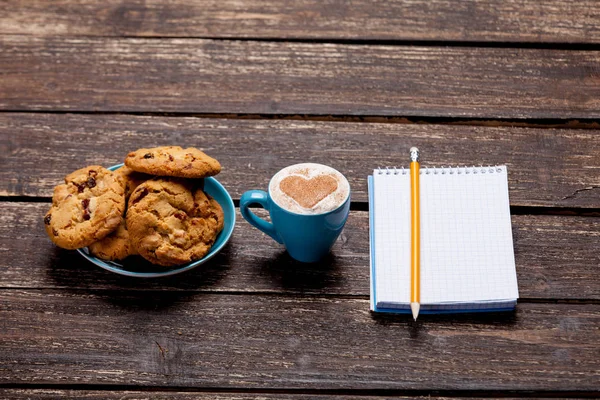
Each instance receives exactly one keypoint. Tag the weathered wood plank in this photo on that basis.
(17, 394)
(547, 167)
(217, 340)
(556, 257)
(212, 76)
(472, 20)
(28, 394)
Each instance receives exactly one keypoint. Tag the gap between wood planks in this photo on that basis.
(324, 392)
(265, 293)
(550, 123)
(364, 206)
(581, 46)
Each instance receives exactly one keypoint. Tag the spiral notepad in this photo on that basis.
(467, 257)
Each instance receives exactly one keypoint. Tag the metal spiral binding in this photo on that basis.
(464, 170)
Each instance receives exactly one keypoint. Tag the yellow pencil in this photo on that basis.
(415, 235)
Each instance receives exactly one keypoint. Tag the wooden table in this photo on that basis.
(262, 84)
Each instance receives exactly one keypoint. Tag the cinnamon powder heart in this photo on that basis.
(308, 192)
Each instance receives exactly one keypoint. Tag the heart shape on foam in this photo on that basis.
(308, 192)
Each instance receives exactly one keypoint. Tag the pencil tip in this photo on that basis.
(415, 309)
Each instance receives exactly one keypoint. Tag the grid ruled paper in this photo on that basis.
(467, 257)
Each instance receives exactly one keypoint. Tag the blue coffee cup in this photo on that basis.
(306, 237)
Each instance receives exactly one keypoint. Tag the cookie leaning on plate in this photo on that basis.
(171, 222)
(173, 161)
(117, 246)
(131, 179)
(86, 208)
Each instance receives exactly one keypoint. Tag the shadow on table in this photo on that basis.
(69, 270)
(416, 329)
(289, 274)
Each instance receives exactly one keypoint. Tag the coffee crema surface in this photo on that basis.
(309, 188)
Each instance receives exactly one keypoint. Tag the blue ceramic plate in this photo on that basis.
(137, 267)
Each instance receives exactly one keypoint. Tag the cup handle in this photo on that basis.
(258, 197)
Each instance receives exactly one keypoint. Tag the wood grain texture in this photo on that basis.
(547, 167)
(471, 20)
(29, 394)
(212, 76)
(556, 257)
(43, 394)
(230, 341)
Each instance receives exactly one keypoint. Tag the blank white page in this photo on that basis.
(466, 239)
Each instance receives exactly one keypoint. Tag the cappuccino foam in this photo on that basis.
(309, 188)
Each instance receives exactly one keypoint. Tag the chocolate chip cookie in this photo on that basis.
(86, 208)
(172, 222)
(173, 161)
(131, 179)
(115, 246)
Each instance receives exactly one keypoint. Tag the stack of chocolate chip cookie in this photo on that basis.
(153, 206)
